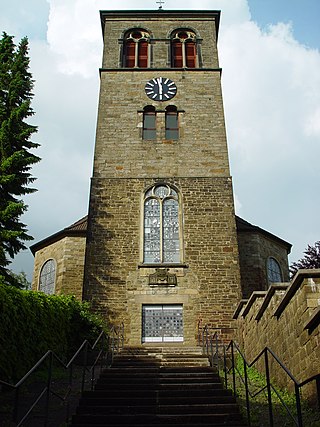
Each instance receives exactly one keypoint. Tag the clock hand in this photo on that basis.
(160, 85)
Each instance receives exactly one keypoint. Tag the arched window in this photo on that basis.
(136, 49)
(274, 271)
(149, 123)
(172, 124)
(183, 49)
(161, 225)
(47, 277)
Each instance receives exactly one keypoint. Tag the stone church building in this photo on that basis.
(161, 248)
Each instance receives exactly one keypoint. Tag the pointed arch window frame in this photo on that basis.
(174, 194)
(47, 279)
(181, 40)
(138, 40)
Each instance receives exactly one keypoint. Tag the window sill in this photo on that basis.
(164, 265)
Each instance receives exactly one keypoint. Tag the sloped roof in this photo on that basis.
(245, 226)
(77, 229)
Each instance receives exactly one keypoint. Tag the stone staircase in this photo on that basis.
(154, 386)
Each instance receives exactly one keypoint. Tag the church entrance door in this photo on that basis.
(162, 323)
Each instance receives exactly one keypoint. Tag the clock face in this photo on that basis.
(160, 89)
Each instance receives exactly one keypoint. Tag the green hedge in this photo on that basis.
(31, 323)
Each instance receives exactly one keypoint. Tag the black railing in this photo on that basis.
(223, 357)
(86, 360)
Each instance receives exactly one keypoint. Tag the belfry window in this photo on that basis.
(161, 225)
(172, 124)
(149, 123)
(183, 49)
(47, 277)
(136, 49)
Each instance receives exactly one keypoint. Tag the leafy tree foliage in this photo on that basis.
(21, 281)
(15, 157)
(310, 260)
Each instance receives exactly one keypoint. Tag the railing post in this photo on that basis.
(247, 391)
(85, 361)
(203, 340)
(48, 389)
(298, 404)
(268, 387)
(318, 390)
(225, 366)
(233, 370)
(217, 349)
(211, 350)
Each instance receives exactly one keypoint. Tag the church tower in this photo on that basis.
(162, 251)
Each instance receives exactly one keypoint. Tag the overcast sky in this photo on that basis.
(269, 52)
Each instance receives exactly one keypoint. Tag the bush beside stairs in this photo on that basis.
(158, 386)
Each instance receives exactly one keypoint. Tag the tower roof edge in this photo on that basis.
(161, 12)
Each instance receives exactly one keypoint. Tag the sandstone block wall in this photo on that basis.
(280, 319)
(208, 281)
(159, 27)
(254, 251)
(68, 254)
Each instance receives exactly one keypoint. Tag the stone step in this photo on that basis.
(150, 419)
(158, 394)
(163, 400)
(101, 385)
(141, 424)
(176, 410)
(163, 388)
(157, 379)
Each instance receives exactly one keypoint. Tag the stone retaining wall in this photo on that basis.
(286, 319)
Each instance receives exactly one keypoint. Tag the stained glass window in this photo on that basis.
(47, 277)
(161, 225)
(274, 271)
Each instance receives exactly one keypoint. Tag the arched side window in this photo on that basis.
(149, 123)
(136, 52)
(161, 226)
(172, 123)
(48, 277)
(274, 271)
(183, 49)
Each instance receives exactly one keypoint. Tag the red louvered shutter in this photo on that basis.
(191, 54)
(143, 54)
(177, 61)
(130, 54)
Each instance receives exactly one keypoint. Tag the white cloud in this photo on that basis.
(74, 33)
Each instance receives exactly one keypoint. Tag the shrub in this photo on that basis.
(31, 323)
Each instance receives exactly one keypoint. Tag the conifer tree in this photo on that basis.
(311, 259)
(16, 158)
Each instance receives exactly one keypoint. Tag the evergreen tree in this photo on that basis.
(310, 260)
(15, 157)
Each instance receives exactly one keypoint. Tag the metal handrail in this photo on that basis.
(109, 344)
(211, 345)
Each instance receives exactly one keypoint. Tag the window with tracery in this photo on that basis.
(183, 49)
(47, 277)
(149, 123)
(172, 124)
(136, 52)
(274, 271)
(161, 225)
